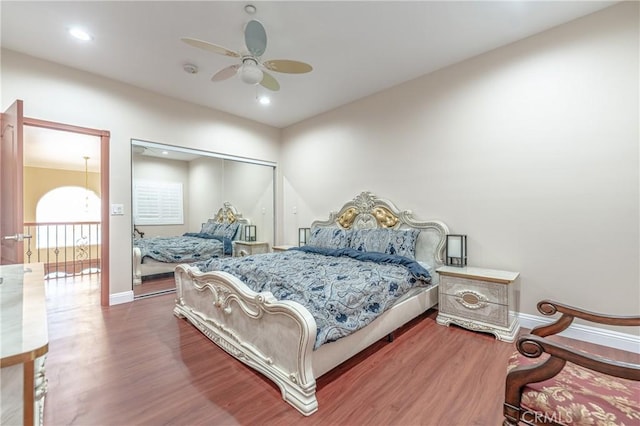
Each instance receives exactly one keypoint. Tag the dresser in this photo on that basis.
(25, 343)
(246, 248)
(480, 299)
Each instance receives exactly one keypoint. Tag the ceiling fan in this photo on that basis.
(251, 68)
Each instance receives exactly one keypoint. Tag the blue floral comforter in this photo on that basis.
(188, 248)
(343, 289)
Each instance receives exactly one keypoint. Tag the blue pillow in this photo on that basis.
(227, 230)
(329, 237)
(399, 242)
(209, 227)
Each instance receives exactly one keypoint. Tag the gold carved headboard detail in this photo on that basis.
(384, 217)
(346, 219)
(226, 214)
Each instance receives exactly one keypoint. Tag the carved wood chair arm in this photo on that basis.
(533, 346)
(550, 307)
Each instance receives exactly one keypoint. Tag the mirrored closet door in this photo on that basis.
(175, 192)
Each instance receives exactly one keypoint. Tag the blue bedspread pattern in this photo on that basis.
(343, 289)
(188, 248)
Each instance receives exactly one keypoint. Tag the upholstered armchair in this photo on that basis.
(551, 383)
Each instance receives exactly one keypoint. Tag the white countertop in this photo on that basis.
(23, 313)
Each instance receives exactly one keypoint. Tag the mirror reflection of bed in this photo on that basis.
(155, 258)
(204, 182)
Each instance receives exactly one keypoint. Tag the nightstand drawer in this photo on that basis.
(247, 248)
(472, 306)
(491, 292)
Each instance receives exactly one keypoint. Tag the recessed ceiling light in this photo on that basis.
(165, 152)
(264, 100)
(80, 34)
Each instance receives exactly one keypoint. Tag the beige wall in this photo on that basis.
(207, 175)
(250, 188)
(38, 181)
(531, 150)
(56, 93)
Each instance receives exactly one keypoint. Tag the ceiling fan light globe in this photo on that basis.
(251, 74)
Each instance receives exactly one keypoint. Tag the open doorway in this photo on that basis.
(66, 202)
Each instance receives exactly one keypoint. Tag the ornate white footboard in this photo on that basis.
(150, 267)
(274, 337)
(137, 266)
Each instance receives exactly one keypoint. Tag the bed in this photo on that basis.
(279, 337)
(158, 256)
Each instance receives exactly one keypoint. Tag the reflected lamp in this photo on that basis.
(304, 234)
(249, 232)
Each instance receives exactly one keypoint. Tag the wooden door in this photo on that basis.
(11, 208)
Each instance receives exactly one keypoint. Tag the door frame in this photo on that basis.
(104, 136)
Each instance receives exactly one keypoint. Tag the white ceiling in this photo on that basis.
(356, 48)
(61, 150)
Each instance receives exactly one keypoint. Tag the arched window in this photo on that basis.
(68, 204)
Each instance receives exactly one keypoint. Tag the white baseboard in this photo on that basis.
(118, 298)
(598, 336)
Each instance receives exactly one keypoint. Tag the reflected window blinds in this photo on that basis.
(157, 203)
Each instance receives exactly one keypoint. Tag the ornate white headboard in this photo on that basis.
(368, 211)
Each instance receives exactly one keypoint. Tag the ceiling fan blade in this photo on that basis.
(269, 82)
(226, 73)
(255, 38)
(210, 47)
(287, 66)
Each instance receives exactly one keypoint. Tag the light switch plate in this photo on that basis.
(117, 209)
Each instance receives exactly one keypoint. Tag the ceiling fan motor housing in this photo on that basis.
(250, 73)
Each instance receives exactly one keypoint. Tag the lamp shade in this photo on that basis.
(250, 233)
(456, 250)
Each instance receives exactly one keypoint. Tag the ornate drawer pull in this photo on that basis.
(471, 299)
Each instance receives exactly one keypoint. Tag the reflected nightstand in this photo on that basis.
(246, 248)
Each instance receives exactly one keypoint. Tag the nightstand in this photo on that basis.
(246, 248)
(281, 248)
(479, 299)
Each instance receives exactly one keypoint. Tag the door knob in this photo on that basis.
(17, 237)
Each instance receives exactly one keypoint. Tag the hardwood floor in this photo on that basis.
(137, 364)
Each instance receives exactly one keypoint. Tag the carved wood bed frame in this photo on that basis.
(149, 267)
(276, 337)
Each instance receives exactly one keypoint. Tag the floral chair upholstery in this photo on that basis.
(552, 383)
